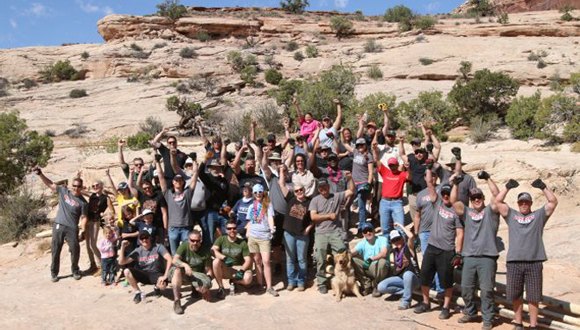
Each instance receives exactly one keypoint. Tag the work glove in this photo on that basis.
(457, 260)
(429, 147)
(193, 156)
(483, 175)
(239, 275)
(456, 151)
(367, 264)
(511, 184)
(457, 179)
(538, 183)
(229, 262)
(158, 157)
(429, 163)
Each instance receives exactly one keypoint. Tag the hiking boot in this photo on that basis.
(323, 289)
(221, 293)
(444, 315)
(518, 326)
(156, 291)
(422, 308)
(487, 326)
(290, 287)
(273, 292)
(77, 276)
(54, 278)
(177, 308)
(466, 319)
(376, 293)
(300, 288)
(138, 297)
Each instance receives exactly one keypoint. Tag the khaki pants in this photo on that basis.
(321, 244)
(369, 278)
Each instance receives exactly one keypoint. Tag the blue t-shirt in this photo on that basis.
(241, 211)
(366, 250)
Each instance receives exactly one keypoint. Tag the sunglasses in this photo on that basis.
(139, 165)
(171, 142)
(476, 197)
(231, 228)
(524, 202)
(144, 238)
(299, 190)
(194, 240)
(147, 188)
(77, 186)
(258, 192)
(96, 185)
(366, 231)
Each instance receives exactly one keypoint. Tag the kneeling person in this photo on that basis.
(191, 264)
(232, 260)
(369, 259)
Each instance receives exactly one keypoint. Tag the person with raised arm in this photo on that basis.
(164, 151)
(329, 130)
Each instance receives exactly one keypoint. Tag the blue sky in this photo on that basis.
(43, 22)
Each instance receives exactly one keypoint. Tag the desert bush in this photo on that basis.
(398, 14)
(358, 16)
(424, 22)
(426, 61)
(556, 84)
(28, 83)
(76, 131)
(431, 109)
(566, 16)
(251, 42)
(77, 93)
(465, 69)
(575, 82)
(273, 76)
(487, 93)
(374, 72)
(239, 128)
(188, 52)
(298, 56)
(556, 111)
(311, 51)
(572, 131)
(202, 36)
(481, 8)
(182, 106)
(503, 18)
(341, 26)
(371, 46)
(21, 212)
(204, 84)
(520, 116)
(269, 60)
(481, 129)
(85, 55)
(20, 150)
(285, 91)
(541, 64)
(291, 46)
(249, 74)
(59, 71)
(294, 6)
(171, 9)
(369, 104)
(236, 60)
(268, 115)
(420, 38)
(139, 141)
(159, 45)
(151, 125)
(50, 133)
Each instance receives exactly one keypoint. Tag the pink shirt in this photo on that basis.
(308, 128)
(107, 247)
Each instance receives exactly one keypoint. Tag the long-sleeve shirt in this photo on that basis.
(218, 187)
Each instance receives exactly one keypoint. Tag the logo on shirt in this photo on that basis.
(297, 211)
(71, 201)
(148, 260)
(426, 198)
(475, 216)
(524, 219)
(446, 214)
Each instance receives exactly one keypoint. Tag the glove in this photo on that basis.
(457, 179)
(229, 262)
(239, 275)
(511, 184)
(158, 157)
(538, 183)
(367, 264)
(457, 260)
(429, 147)
(456, 151)
(483, 175)
(429, 162)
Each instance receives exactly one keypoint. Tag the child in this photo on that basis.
(108, 251)
(144, 222)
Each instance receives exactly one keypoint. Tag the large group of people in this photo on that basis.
(258, 201)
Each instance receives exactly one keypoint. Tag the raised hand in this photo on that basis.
(538, 183)
(456, 151)
(483, 175)
(511, 184)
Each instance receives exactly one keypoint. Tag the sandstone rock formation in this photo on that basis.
(519, 6)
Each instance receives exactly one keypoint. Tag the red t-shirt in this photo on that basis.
(392, 183)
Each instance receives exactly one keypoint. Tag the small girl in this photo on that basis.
(108, 251)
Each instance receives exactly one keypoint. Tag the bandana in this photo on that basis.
(334, 176)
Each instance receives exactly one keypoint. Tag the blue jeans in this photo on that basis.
(400, 286)
(390, 211)
(362, 191)
(424, 238)
(296, 247)
(176, 236)
(208, 220)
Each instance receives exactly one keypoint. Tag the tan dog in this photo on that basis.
(344, 281)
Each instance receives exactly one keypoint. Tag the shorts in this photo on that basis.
(278, 236)
(437, 261)
(198, 280)
(528, 274)
(145, 277)
(228, 272)
(258, 245)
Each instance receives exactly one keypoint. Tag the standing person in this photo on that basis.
(526, 253)
(240, 209)
(218, 186)
(138, 165)
(329, 130)
(467, 182)
(325, 214)
(369, 260)
(302, 176)
(99, 202)
(344, 154)
(260, 230)
(152, 200)
(297, 228)
(72, 209)
(164, 151)
(108, 254)
(443, 249)
(123, 197)
(362, 175)
(405, 277)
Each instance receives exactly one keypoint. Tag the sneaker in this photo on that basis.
(300, 288)
(138, 297)
(177, 308)
(157, 291)
(323, 289)
(53, 278)
(518, 326)
(376, 293)
(77, 276)
(290, 287)
(403, 306)
(221, 293)
(422, 308)
(273, 292)
(487, 326)
(466, 319)
(444, 315)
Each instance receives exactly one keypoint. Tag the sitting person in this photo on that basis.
(191, 263)
(405, 267)
(232, 260)
(148, 267)
(369, 260)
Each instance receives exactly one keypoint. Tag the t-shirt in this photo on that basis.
(236, 250)
(307, 129)
(181, 157)
(324, 139)
(258, 218)
(418, 168)
(298, 217)
(241, 211)
(360, 166)
(385, 153)
(365, 249)
(132, 203)
(336, 179)
(178, 207)
(463, 188)
(276, 197)
(154, 203)
(198, 261)
(151, 260)
(97, 205)
(305, 179)
(425, 205)
(71, 208)
(445, 222)
(525, 235)
(480, 232)
(323, 205)
(392, 183)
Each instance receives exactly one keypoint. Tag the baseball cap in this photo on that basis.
(391, 133)
(393, 161)
(322, 182)
(144, 233)
(360, 141)
(257, 188)
(324, 117)
(416, 141)
(332, 156)
(524, 196)
(275, 156)
(324, 147)
(248, 185)
(271, 137)
(371, 124)
(475, 191)
(214, 162)
(178, 177)
(189, 160)
(122, 185)
(366, 226)
(394, 234)
(147, 212)
(446, 188)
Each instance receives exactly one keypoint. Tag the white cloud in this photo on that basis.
(340, 3)
(88, 7)
(432, 7)
(13, 23)
(37, 9)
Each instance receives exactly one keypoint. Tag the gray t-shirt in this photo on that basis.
(276, 196)
(325, 140)
(463, 188)
(360, 166)
(178, 207)
(71, 208)
(525, 235)
(445, 222)
(323, 205)
(258, 218)
(425, 205)
(339, 185)
(150, 261)
(480, 232)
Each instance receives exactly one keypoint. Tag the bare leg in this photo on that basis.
(447, 297)
(131, 280)
(267, 268)
(425, 293)
(259, 268)
(247, 280)
(518, 309)
(533, 313)
(176, 282)
(218, 272)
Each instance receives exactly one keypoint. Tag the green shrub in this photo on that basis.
(20, 150)
(556, 84)
(249, 74)
(341, 26)
(285, 91)
(503, 18)
(273, 76)
(465, 69)
(572, 131)
(359, 16)
(151, 125)
(85, 55)
(520, 116)
(481, 129)
(251, 42)
(371, 46)
(481, 8)
(59, 71)
(555, 111)
(424, 22)
(76, 131)
(236, 60)
(202, 36)
(171, 9)
(398, 14)
(575, 82)
(298, 56)
(139, 141)
(405, 26)
(566, 16)
(311, 51)
(429, 108)
(292, 46)
(77, 93)
(369, 104)
(188, 52)
(426, 61)
(269, 60)
(487, 93)
(268, 115)
(238, 128)
(294, 6)
(374, 72)
(21, 212)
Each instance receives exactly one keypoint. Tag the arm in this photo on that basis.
(217, 253)
(155, 142)
(168, 263)
(297, 105)
(402, 152)
(194, 177)
(502, 207)
(247, 263)
(360, 131)
(161, 175)
(549, 194)
(288, 157)
(253, 131)
(131, 184)
(431, 188)
(236, 164)
(204, 139)
(108, 174)
(457, 205)
(375, 149)
(180, 264)
(123, 260)
(282, 180)
(173, 159)
(121, 143)
(321, 217)
(47, 182)
(371, 167)
(459, 240)
(385, 122)
(417, 221)
(338, 120)
(265, 167)
(410, 236)
(224, 154)
(350, 188)
(436, 145)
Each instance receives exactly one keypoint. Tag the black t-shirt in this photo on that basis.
(320, 162)
(298, 216)
(418, 169)
(244, 177)
(181, 157)
(153, 203)
(97, 205)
